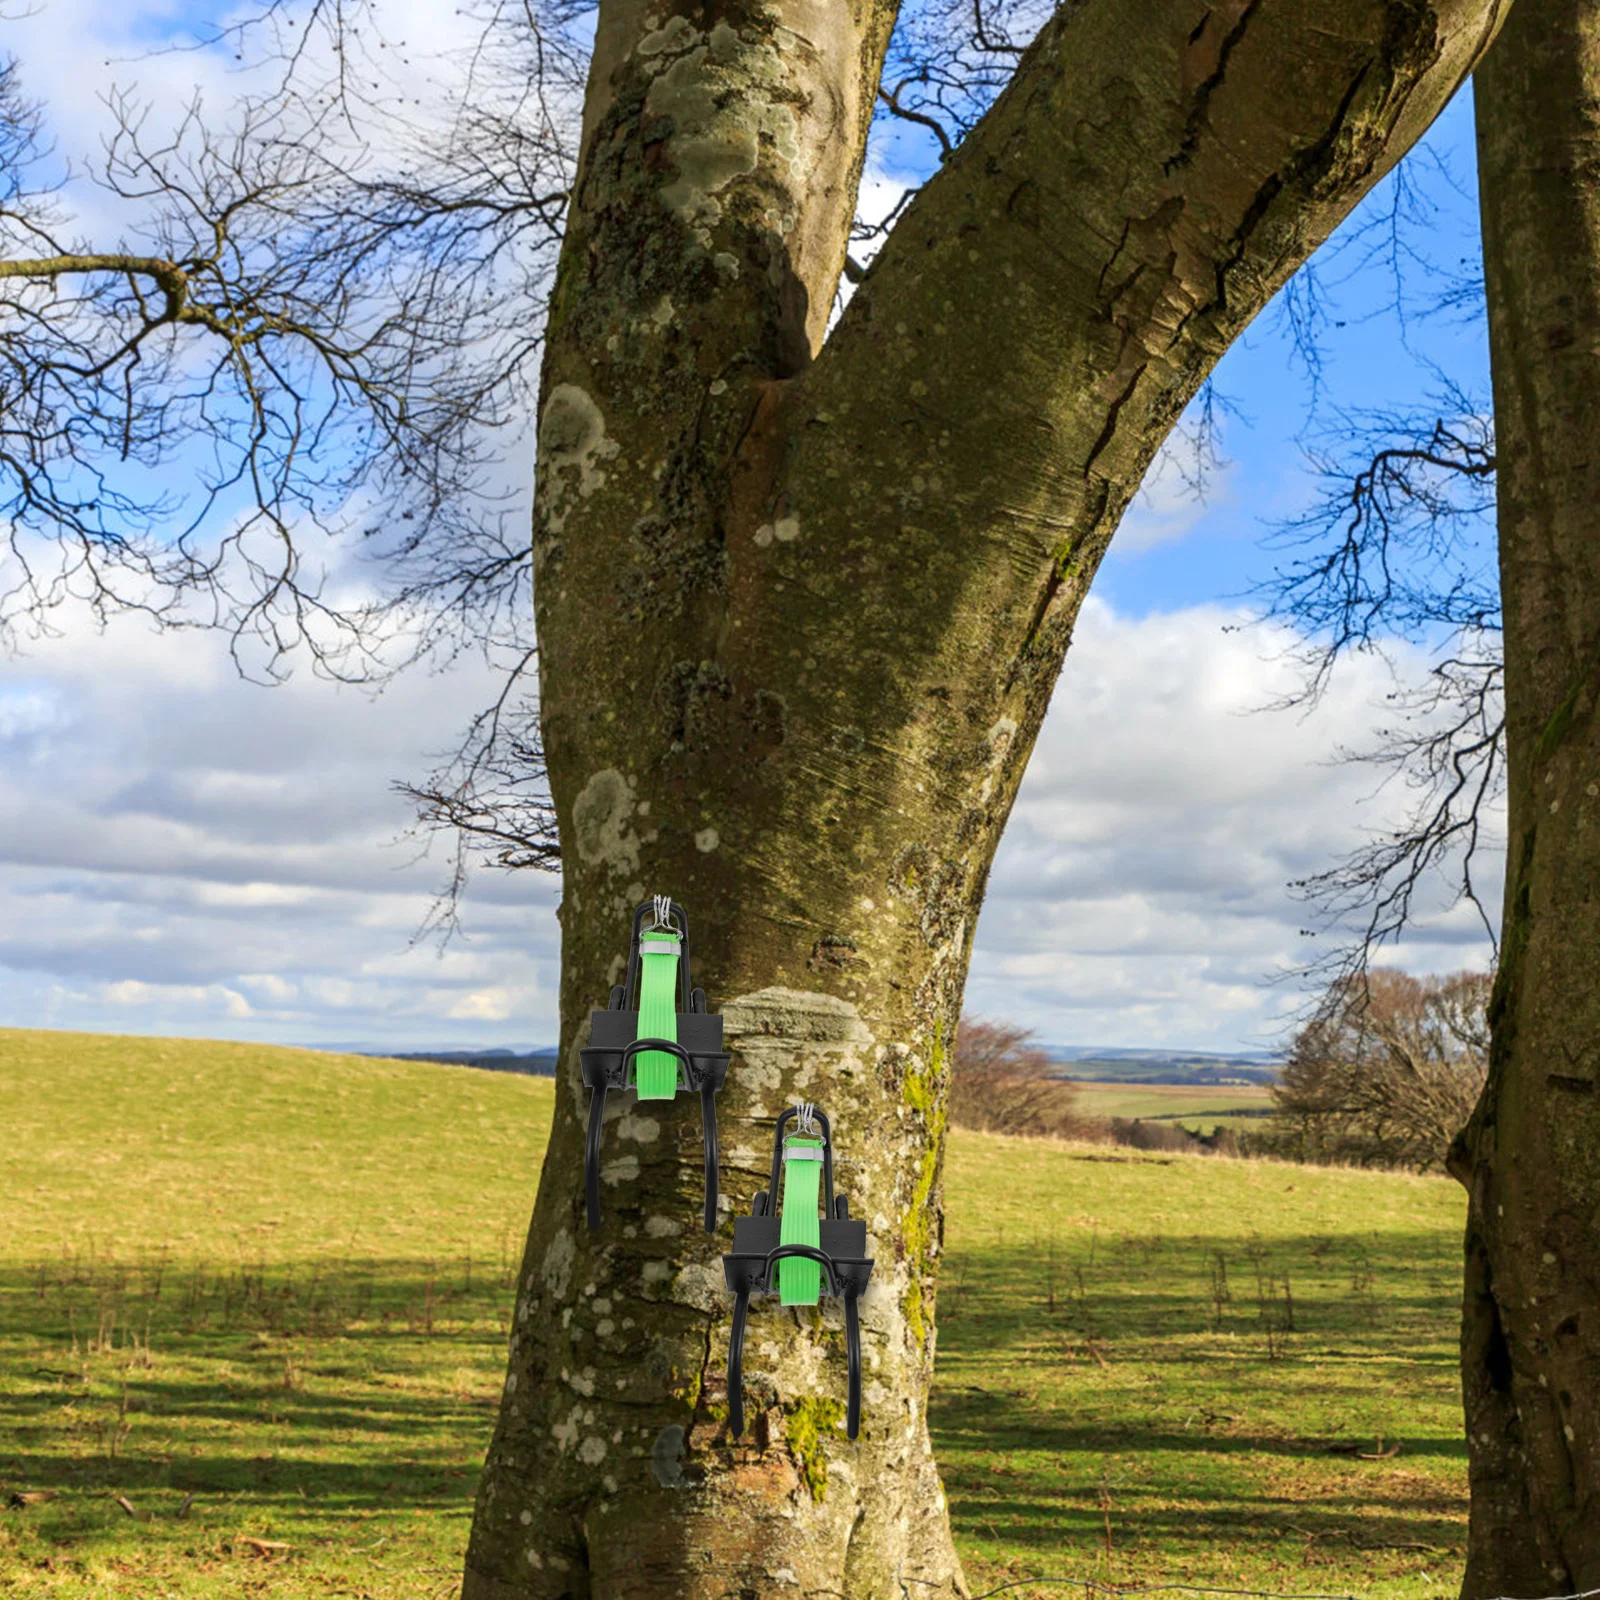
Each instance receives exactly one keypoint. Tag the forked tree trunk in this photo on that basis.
(1531, 1155)
(800, 610)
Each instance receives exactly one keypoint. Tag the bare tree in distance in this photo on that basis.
(1002, 1082)
(1387, 1070)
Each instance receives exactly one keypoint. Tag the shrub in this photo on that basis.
(1000, 1082)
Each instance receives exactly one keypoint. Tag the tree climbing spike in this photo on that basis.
(656, 1038)
(783, 1247)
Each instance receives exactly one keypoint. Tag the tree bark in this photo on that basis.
(801, 606)
(1531, 1329)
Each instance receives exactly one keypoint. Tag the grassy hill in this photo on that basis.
(261, 1296)
(1200, 1107)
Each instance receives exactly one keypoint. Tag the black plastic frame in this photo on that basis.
(607, 1061)
(748, 1269)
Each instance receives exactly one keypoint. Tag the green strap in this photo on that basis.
(656, 1073)
(800, 1282)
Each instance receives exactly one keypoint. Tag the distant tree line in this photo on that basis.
(1002, 1082)
(1383, 1073)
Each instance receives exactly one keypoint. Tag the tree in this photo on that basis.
(1001, 1082)
(1531, 1328)
(1387, 1070)
(274, 401)
(801, 604)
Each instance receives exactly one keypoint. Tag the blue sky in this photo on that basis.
(183, 853)
(1374, 358)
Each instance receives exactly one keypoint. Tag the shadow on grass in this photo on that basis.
(978, 1423)
(1042, 1520)
(97, 1300)
(403, 1483)
(1362, 1289)
(271, 1391)
(1202, 1391)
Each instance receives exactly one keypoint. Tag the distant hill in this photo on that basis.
(535, 1063)
(1112, 1064)
(1089, 1063)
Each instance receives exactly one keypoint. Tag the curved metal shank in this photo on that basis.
(741, 1308)
(806, 1252)
(591, 1154)
(852, 1344)
(597, 1106)
(669, 1046)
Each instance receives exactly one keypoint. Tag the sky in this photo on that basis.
(182, 852)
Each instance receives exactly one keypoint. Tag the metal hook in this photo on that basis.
(661, 907)
(806, 1119)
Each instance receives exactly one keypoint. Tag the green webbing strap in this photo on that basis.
(800, 1282)
(656, 1076)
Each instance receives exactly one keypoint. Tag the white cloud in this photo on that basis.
(1140, 896)
(1168, 506)
(488, 1005)
(183, 852)
(270, 985)
(208, 999)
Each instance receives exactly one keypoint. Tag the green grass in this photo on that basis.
(1201, 1107)
(272, 1279)
(1170, 1367)
(261, 1295)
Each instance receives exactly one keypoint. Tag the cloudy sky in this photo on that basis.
(187, 853)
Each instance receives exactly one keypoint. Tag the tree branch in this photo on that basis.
(167, 274)
(1069, 300)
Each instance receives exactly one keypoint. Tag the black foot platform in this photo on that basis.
(609, 1060)
(750, 1269)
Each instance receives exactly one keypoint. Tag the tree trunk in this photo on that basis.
(1531, 1155)
(800, 609)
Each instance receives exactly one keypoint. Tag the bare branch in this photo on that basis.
(1449, 750)
(323, 359)
(1387, 1070)
(490, 797)
(1398, 546)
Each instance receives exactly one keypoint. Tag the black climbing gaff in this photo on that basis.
(754, 1265)
(658, 994)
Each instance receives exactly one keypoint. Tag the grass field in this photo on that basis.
(260, 1295)
(1201, 1107)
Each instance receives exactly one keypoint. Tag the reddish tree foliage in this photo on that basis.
(1001, 1082)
